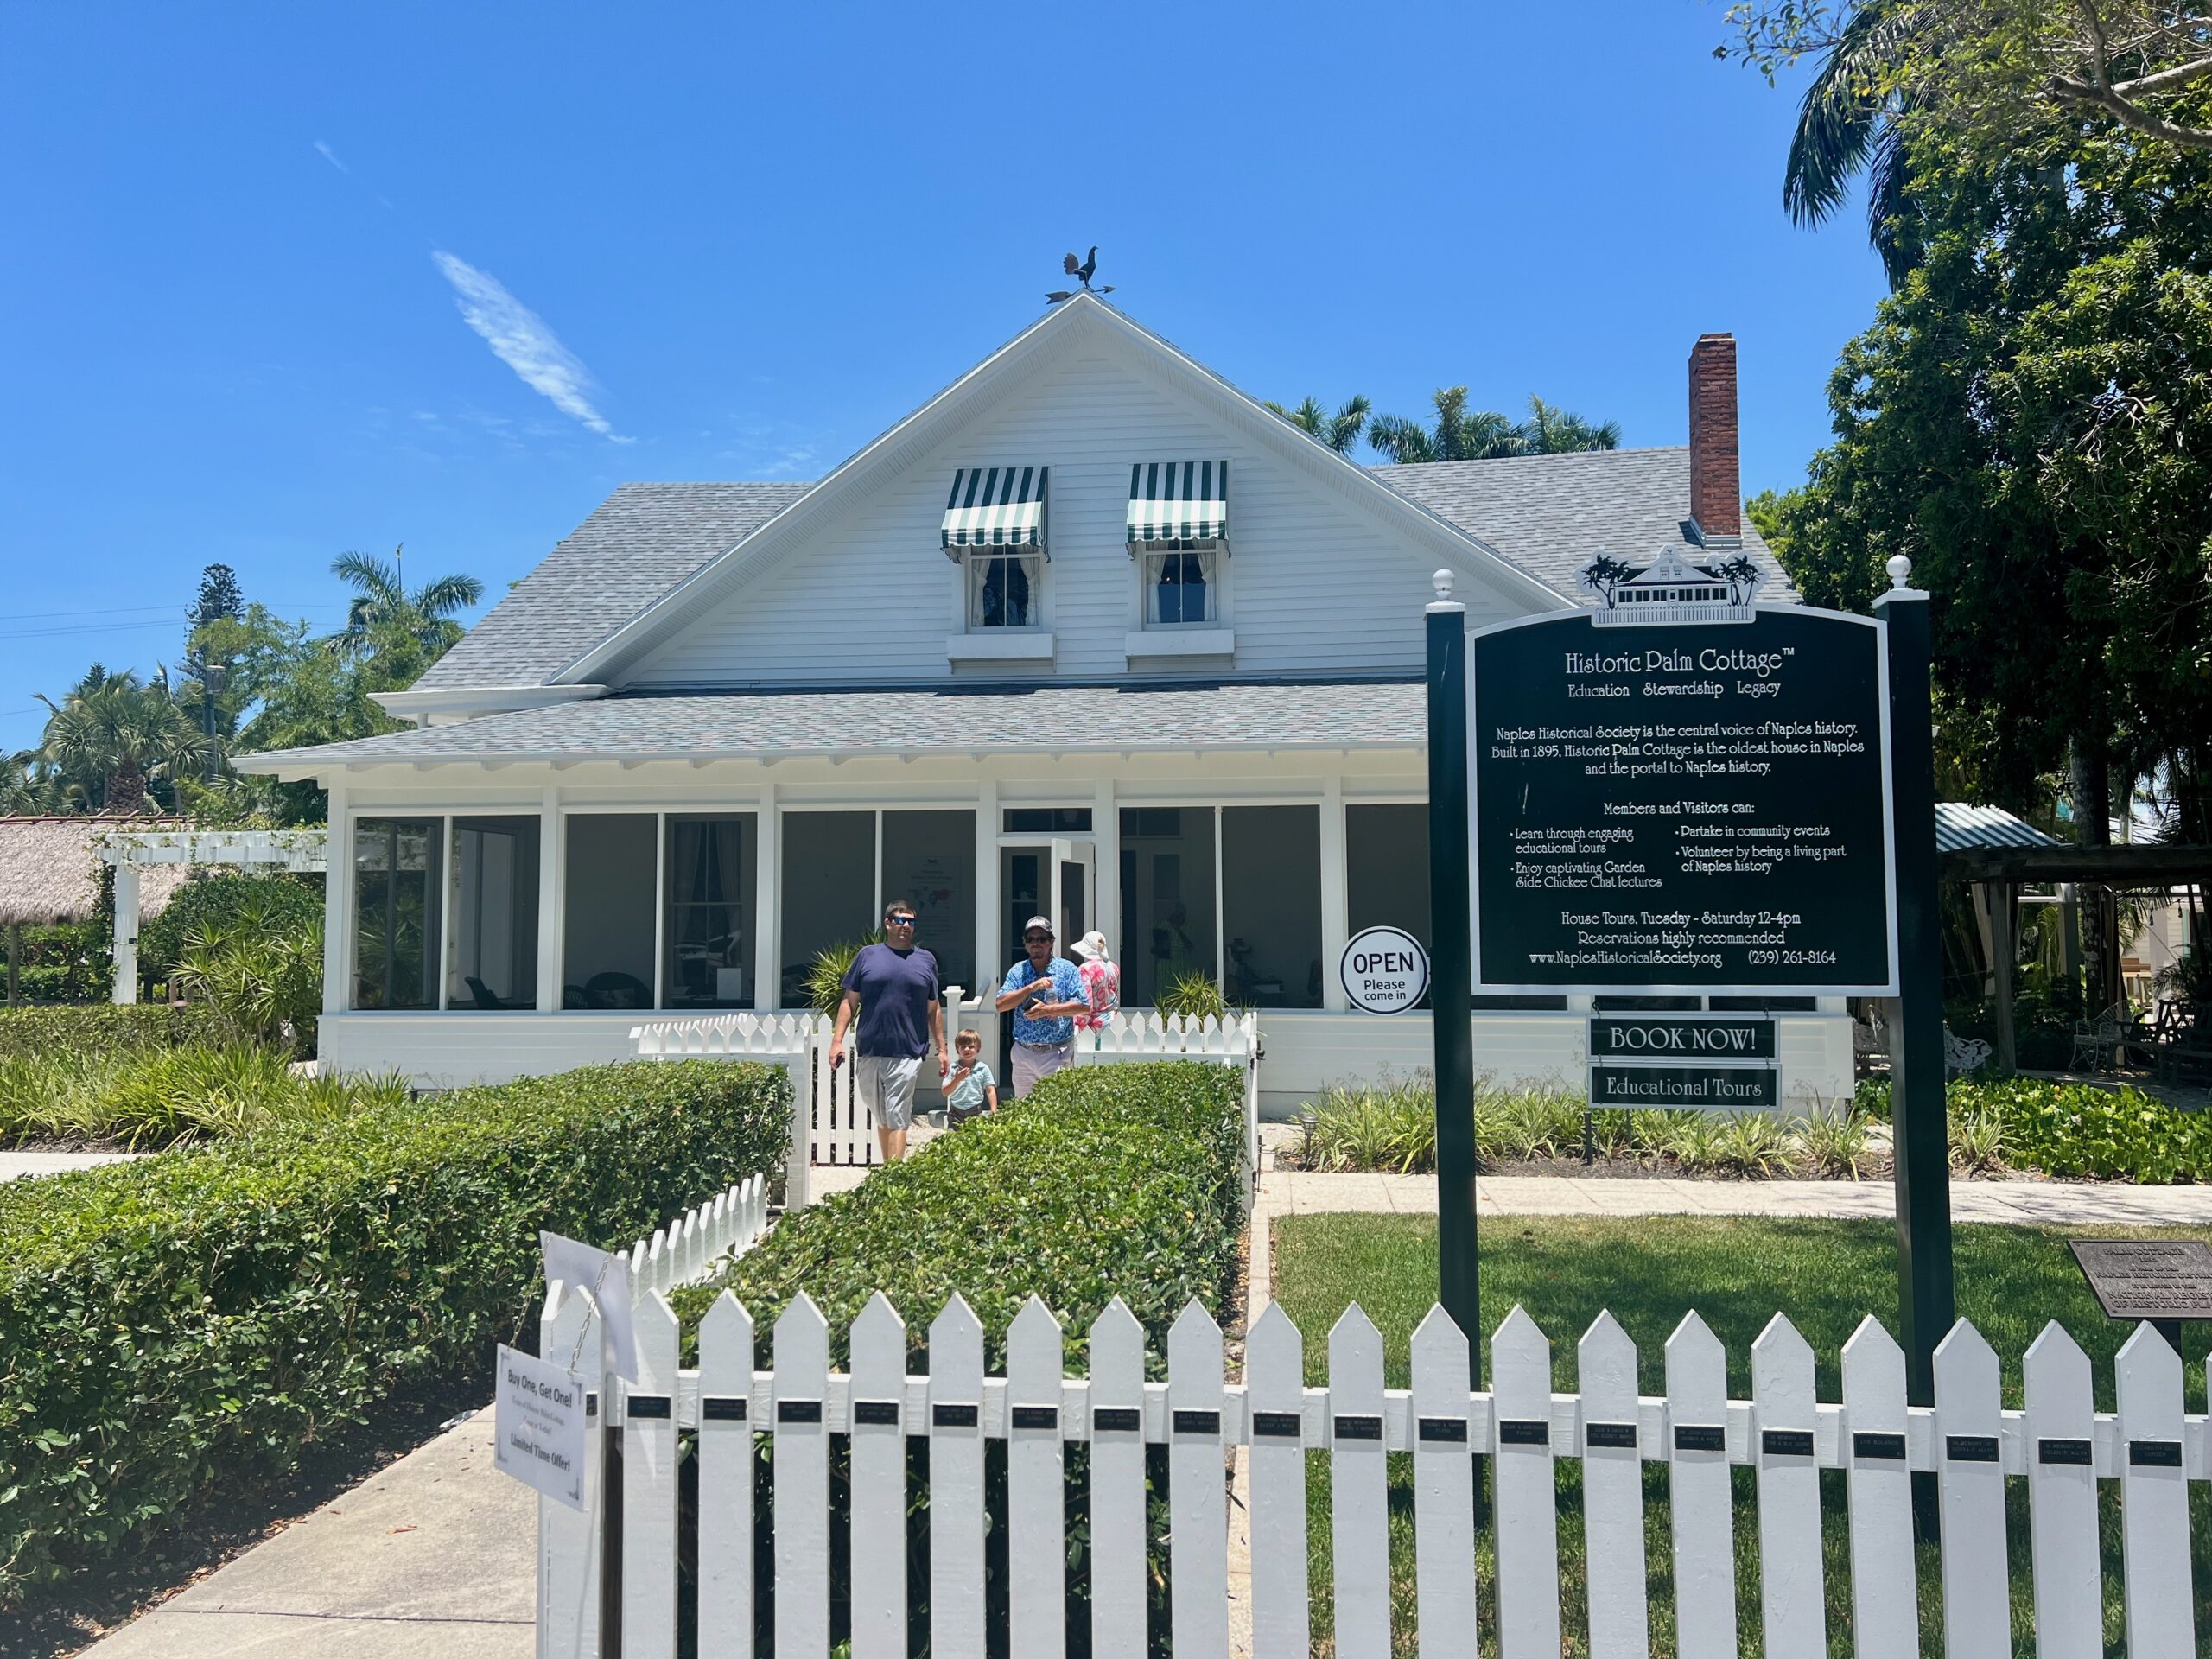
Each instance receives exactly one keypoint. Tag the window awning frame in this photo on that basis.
(1178, 505)
(996, 508)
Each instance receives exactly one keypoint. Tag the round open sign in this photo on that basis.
(1384, 970)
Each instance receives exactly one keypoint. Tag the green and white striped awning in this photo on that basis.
(995, 506)
(1178, 501)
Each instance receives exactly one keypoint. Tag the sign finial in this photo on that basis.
(1900, 569)
(1441, 580)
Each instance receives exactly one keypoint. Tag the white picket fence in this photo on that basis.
(693, 1245)
(831, 1127)
(2059, 1445)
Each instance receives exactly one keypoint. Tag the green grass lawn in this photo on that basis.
(1737, 1274)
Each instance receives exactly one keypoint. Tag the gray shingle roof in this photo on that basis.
(1958, 825)
(642, 541)
(1549, 513)
(1049, 719)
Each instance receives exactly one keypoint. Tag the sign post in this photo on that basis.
(1926, 1307)
(1453, 958)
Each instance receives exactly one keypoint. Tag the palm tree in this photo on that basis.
(1457, 434)
(113, 733)
(1550, 430)
(1485, 435)
(383, 610)
(1604, 574)
(1340, 431)
(1850, 122)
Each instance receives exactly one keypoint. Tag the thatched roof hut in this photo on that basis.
(50, 870)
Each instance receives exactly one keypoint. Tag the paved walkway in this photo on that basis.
(1293, 1192)
(15, 1164)
(435, 1557)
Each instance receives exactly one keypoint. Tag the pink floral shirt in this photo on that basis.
(1102, 987)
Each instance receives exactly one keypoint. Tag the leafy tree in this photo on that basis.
(1340, 431)
(114, 735)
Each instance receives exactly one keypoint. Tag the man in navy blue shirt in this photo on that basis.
(1044, 992)
(894, 989)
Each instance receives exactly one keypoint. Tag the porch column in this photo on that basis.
(337, 899)
(1335, 901)
(552, 860)
(988, 967)
(768, 901)
(1106, 903)
(126, 932)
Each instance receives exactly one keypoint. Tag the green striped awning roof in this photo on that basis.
(1179, 501)
(995, 506)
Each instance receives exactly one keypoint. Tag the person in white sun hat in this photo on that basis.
(1044, 993)
(1102, 983)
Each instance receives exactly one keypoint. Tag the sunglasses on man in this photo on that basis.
(1036, 939)
(899, 921)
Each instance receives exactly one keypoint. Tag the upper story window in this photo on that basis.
(995, 529)
(1179, 533)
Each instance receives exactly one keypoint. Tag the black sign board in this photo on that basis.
(1681, 1037)
(2147, 1278)
(1682, 808)
(1639, 1084)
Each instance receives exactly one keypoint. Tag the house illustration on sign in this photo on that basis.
(1672, 590)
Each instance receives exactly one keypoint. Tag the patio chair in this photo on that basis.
(2101, 1040)
(1963, 1056)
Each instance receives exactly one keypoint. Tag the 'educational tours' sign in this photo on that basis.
(1682, 792)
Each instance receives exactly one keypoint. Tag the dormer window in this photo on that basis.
(1178, 533)
(995, 529)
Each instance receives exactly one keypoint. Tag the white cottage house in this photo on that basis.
(1091, 632)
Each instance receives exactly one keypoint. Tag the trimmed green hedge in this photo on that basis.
(2074, 1128)
(109, 1028)
(198, 1316)
(1108, 1180)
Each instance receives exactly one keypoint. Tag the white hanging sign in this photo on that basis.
(537, 1418)
(1384, 970)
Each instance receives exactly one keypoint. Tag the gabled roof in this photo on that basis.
(1549, 513)
(1958, 825)
(642, 541)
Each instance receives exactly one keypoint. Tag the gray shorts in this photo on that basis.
(886, 1087)
(1033, 1065)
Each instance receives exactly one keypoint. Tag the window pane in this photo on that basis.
(929, 860)
(711, 864)
(1046, 820)
(606, 930)
(829, 890)
(1001, 590)
(1179, 587)
(1271, 904)
(1386, 870)
(493, 914)
(1166, 899)
(394, 912)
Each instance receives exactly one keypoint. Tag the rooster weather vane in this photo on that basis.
(1081, 270)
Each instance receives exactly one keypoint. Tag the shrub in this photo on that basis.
(106, 1028)
(286, 904)
(2068, 1129)
(167, 1096)
(1108, 1180)
(198, 1316)
(1193, 995)
(260, 966)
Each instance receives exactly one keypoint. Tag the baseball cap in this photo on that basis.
(1036, 922)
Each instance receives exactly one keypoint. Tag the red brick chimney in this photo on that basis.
(1716, 490)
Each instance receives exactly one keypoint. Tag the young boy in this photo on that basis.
(969, 1089)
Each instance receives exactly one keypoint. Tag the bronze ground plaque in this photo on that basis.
(2147, 1278)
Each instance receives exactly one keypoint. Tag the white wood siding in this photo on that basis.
(1314, 586)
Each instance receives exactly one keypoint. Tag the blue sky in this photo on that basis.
(737, 242)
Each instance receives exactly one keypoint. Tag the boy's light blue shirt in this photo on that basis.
(971, 1093)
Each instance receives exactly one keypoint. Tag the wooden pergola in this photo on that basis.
(2004, 869)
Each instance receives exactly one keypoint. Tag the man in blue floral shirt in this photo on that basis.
(1044, 992)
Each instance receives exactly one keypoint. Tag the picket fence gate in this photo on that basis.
(693, 1245)
(2059, 1444)
(831, 1128)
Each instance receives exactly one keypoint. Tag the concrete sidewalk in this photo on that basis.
(13, 1165)
(1294, 1192)
(435, 1556)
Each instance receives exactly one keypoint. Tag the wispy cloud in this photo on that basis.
(331, 156)
(518, 337)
